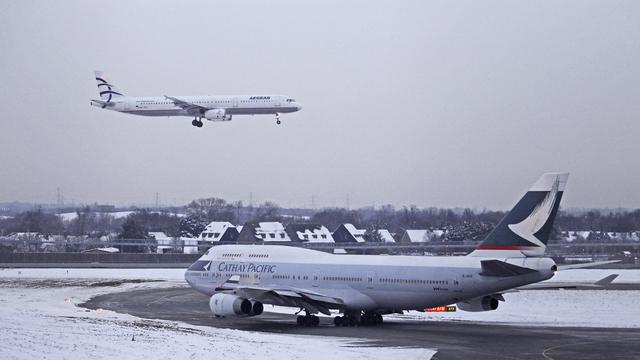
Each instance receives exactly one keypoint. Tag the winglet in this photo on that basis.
(606, 280)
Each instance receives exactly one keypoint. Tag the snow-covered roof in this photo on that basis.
(215, 230)
(358, 234)
(386, 236)
(573, 235)
(310, 233)
(69, 216)
(417, 235)
(104, 249)
(271, 231)
(159, 235)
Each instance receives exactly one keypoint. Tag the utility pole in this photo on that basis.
(313, 202)
(58, 200)
(157, 201)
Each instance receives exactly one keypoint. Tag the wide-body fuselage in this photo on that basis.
(364, 282)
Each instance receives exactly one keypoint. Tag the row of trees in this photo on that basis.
(458, 224)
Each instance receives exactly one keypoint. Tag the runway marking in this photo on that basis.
(548, 357)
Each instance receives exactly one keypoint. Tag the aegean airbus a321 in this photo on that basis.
(241, 278)
(212, 108)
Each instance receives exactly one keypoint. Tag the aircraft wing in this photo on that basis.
(286, 296)
(191, 108)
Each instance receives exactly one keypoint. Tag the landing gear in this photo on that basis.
(308, 320)
(278, 119)
(371, 319)
(196, 122)
(356, 318)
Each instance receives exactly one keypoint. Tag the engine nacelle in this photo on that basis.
(485, 303)
(256, 308)
(232, 305)
(217, 115)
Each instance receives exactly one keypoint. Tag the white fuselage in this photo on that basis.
(364, 282)
(232, 104)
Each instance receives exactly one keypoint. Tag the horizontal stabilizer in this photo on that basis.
(102, 104)
(570, 285)
(585, 265)
(502, 269)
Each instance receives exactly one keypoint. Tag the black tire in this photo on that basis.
(278, 122)
(194, 122)
(200, 124)
(315, 321)
(346, 321)
(300, 320)
(337, 321)
(379, 320)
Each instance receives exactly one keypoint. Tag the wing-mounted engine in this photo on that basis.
(485, 303)
(232, 305)
(217, 115)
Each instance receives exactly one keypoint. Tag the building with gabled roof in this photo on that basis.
(253, 232)
(348, 233)
(219, 231)
(386, 236)
(313, 233)
(420, 235)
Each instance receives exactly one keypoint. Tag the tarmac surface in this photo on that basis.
(453, 340)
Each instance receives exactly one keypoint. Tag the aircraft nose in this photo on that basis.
(298, 106)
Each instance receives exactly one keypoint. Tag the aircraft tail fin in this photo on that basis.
(525, 230)
(106, 89)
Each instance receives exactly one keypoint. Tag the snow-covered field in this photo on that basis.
(39, 318)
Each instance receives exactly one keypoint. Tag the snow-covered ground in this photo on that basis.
(39, 318)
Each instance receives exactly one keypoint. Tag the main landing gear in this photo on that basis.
(308, 320)
(278, 119)
(352, 318)
(197, 122)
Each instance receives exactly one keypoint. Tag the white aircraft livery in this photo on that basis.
(241, 278)
(212, 108)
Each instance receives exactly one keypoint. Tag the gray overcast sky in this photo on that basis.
(405, 102)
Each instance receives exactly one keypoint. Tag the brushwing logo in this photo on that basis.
(538, 217)
(109, 92)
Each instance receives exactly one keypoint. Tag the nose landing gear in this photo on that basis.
(278, 119)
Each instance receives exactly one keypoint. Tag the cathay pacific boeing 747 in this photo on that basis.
(241, 278)
(212, 108)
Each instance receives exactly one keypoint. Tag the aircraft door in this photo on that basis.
(277, 101)
(370, 279)
(128, 104)
(315, 280)
(235, 102)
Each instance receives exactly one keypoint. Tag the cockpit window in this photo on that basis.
(291, 100)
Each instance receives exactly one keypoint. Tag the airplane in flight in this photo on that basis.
(241, 278)
(212, 108)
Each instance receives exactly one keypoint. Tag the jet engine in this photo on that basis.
(217, 115)
(232, 305)
(485, 303)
